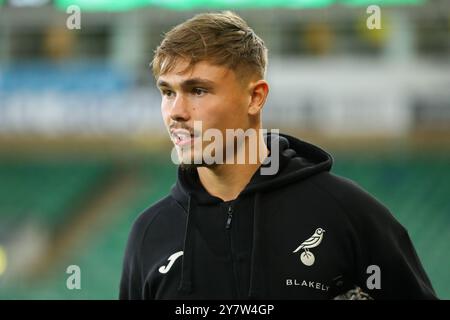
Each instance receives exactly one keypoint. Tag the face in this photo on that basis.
(207, 93)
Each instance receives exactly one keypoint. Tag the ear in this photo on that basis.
(259, 91)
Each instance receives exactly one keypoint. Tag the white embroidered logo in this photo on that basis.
(172, 258)
(307, 257)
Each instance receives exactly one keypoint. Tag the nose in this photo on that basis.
(179, 110)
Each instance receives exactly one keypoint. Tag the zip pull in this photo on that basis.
(230, 216)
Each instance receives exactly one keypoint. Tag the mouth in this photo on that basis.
(182, 137)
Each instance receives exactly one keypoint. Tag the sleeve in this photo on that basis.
(393, 269)
(388, 266)
(131, 282)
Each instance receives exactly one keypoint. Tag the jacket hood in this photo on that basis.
(296, 159)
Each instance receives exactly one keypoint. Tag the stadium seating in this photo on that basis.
(45, 191)
(413, 187)
(70, 78)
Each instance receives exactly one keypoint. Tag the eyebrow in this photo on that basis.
(189, 83)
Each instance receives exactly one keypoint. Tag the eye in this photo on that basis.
(168, 93)
(199, 91)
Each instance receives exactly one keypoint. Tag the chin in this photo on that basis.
(188, 158)
(190, 164)
(188, 167)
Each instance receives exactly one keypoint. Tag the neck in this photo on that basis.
(226, 181)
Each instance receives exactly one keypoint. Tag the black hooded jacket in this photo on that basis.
(303, 233)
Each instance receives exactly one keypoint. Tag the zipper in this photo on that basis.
(230, 217)
(236, 291)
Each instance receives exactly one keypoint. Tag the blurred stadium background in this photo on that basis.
(83, 149)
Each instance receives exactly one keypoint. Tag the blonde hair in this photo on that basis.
(223, 39)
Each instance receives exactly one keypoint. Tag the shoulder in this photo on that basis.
(359, 206)
(165, 210)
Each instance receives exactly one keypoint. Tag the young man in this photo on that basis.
(229, 231)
